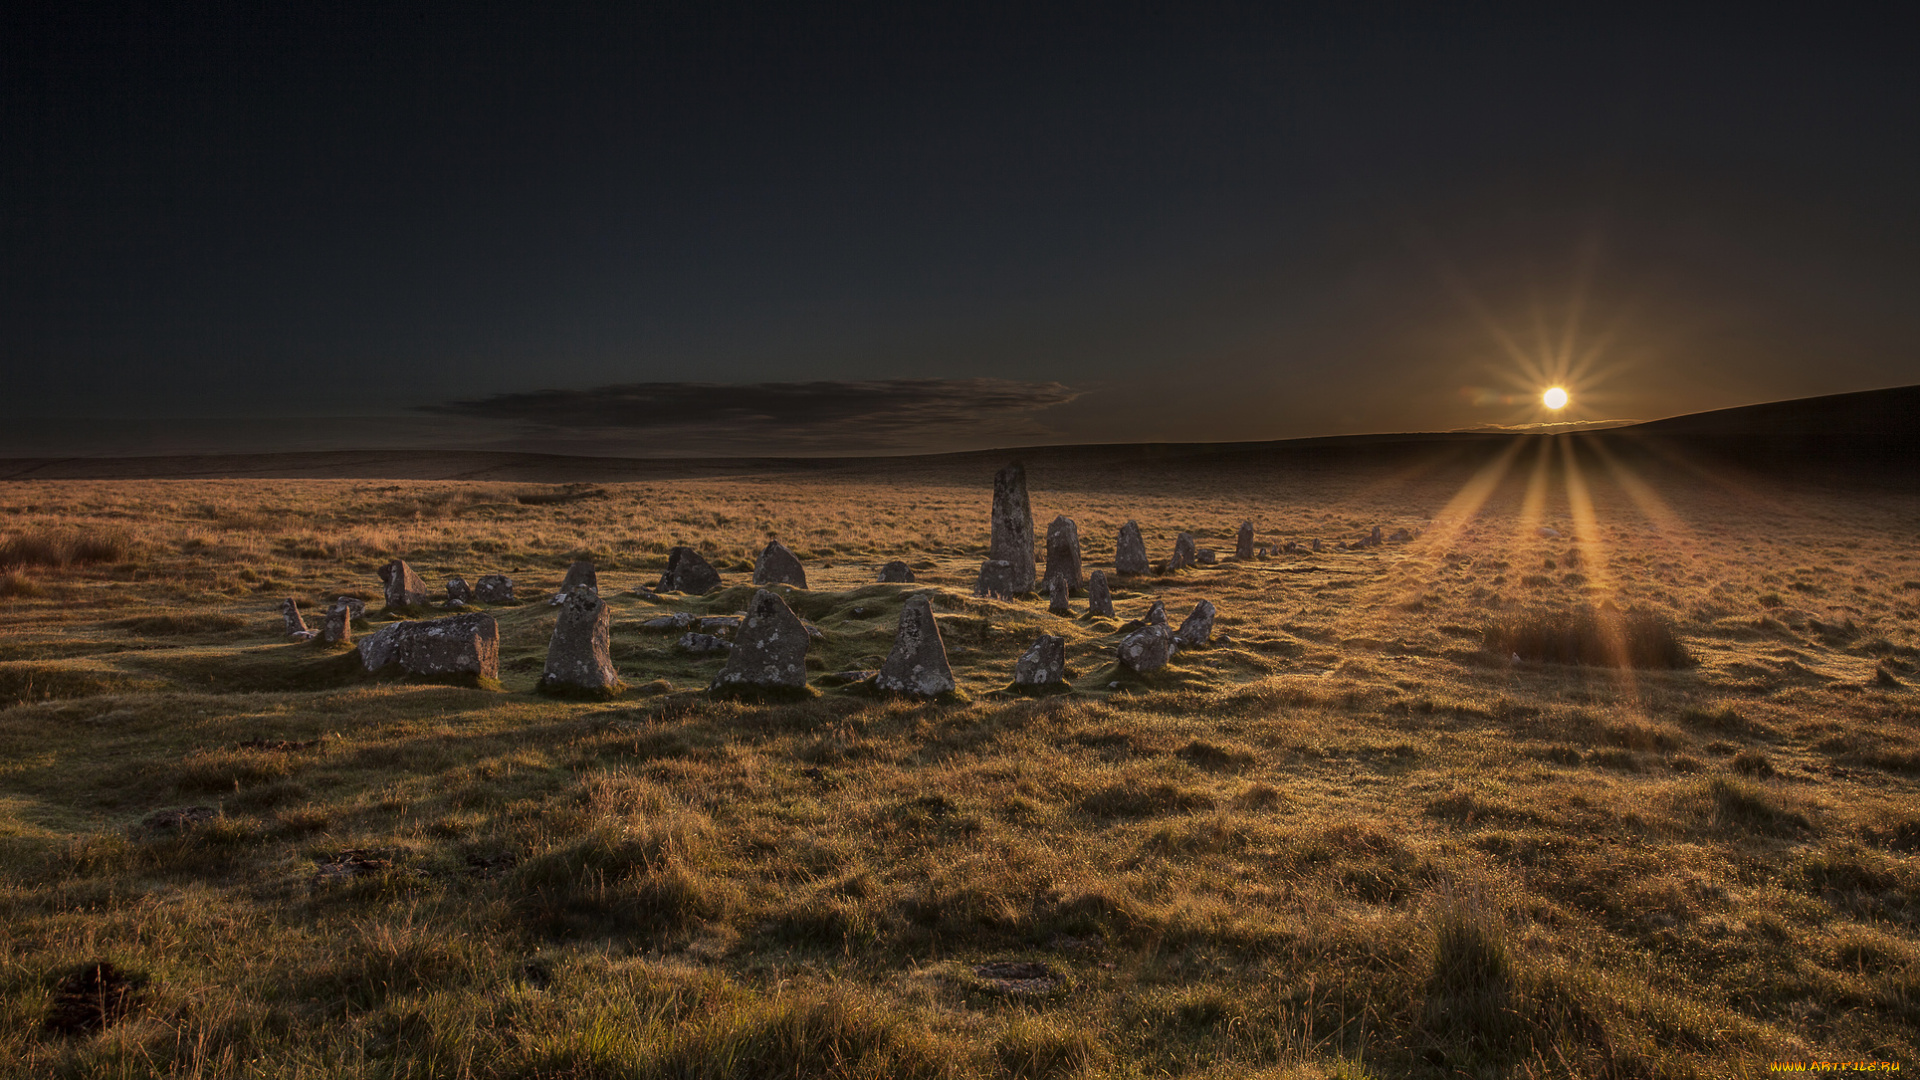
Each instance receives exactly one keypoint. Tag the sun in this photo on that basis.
(1555, 399)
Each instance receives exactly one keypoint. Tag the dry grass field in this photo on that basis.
(1376, 830)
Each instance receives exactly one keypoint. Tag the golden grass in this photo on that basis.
(1356, 838)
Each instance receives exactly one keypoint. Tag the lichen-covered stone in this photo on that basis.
(1043, 664)
(918, 663)
(458, 591)
(688, 572)
(338, 629)
(1184, 554)
(1157, 614)
(678, 620)
(404, 589)
(1099, 597)
(579, 656)
(769, 648)
(1013, 525)
(694, 642)
(777, 566)
(997, 579)
(467, 644)
(493, 589)
(1059, 603)
(356, 607)
(1063, 552)
(1197, 628)
(1147, 648)
(896, 571)
(1243, 541)
(1130, 552)
(290, 614)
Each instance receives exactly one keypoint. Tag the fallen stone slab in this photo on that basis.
(896, 571)
(1205, 556)
(1043, 664)
(579, 656)
(769, 649)
(917, 665)
(688, 572)
(778, 566)
(404, 589)
(466, 644)
(702, 643)
(679, 620)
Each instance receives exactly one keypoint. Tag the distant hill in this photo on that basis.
(1887, 413)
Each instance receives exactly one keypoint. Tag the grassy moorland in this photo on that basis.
(1377, 830)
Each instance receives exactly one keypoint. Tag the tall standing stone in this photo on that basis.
(1063, 551)
(1184, 554)
(1130, 551)
(918, 663)
(1099, 599)
(896, 571)
(777, 566)
(1243, 543)
(1197, 628)
(1013, 525)
(1060, 602)
(290, 613)
(1043, 664)
(580, 576)
(578, 656)
(1316, 545)
(688, 572)
(404, 587)
(1373, 540)
(338, 629)
(769, 648)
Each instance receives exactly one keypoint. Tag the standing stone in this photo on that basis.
(1197, 628)
(404, 587)
(458, 589)
(580, 576)
(1157, 614)
(455, 645)
(688, 572)
(1205, 556)
(918, 663)
(1243, 543)
(356, 607)
(493, 589)
(1099, 600)
(1060, 604)
(1374, 539)
(1147, 648)
(1316, 545)
(769, 648)
(896, 571)
(1183, 553)
(996, 579)
(1063, 551)
(1013, 525)
(777, 566)
(1130, 552)
(338, 629)
(1043, 664)
(290, 612)
(578, 656)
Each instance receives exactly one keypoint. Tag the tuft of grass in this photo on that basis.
(1745, 805)
(1597, 638)
(56, 548)
(16, 585)
(1471, 981)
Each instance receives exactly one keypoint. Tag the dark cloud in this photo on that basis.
(845, 416)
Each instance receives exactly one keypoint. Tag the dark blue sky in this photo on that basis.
(1217, 222)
